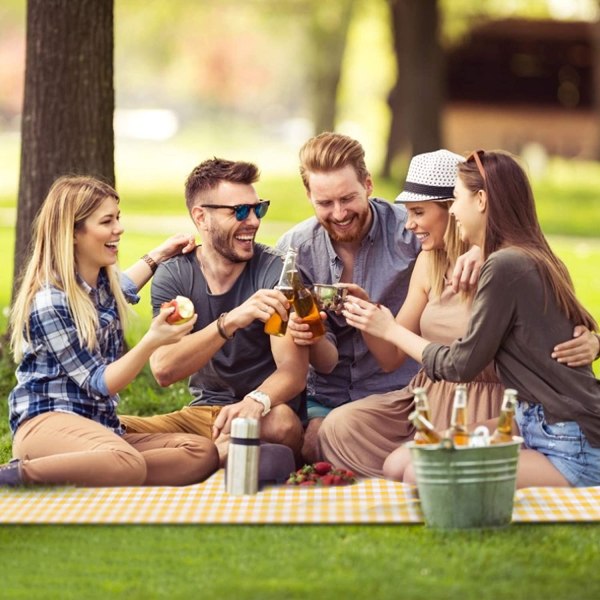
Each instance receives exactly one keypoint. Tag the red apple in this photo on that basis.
(184, 310)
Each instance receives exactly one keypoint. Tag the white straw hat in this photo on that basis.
(431, 176)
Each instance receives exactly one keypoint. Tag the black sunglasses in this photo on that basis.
(243, 210)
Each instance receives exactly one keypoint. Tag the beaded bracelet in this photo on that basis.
(150, 262)
(221, 327)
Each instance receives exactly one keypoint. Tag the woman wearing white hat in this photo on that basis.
(361, 434)
(523, 305)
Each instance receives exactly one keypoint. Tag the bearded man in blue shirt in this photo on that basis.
(362, 243)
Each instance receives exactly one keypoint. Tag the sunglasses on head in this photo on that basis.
(476, 156)
(241, 211)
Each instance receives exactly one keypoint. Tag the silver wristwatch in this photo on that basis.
(263, 399)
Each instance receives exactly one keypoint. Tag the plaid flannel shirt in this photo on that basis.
(57, 372)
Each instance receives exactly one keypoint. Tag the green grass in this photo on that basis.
(330, 562)
(522, 561)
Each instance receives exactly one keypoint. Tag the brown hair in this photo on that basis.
(329, 152)
(208, 174)
(512, 221)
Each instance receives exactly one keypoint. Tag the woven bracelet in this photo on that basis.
(221, 327)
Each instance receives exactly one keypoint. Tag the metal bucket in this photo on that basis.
(464, 488)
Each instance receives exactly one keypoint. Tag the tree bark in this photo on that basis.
(416, 101)
(67, 122)
(596, 82)
(328, 31)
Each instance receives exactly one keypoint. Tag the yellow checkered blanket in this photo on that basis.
(369, 501)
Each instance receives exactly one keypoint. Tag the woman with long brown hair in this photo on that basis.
(524, 305)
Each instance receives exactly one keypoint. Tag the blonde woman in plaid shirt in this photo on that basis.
(67, 339)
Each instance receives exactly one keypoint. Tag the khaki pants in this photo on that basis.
(190, 419)
(64, 448)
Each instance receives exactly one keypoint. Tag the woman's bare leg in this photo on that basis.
(535, 470)
(396, 463)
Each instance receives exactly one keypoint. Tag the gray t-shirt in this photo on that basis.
(382, 267)
(243, 362)
(516, 322)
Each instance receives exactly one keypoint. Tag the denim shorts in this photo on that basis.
(316, 410)
(563, 444)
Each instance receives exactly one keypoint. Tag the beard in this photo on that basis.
(355, 234)
(223, 246)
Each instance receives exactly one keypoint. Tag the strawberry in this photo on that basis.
(322, 468)
(321, 474)
(327, 480)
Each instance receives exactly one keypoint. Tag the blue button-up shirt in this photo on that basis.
(382, 267)
(58, 372)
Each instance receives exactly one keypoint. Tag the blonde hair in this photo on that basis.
(443, 258)
(70, 201)
(330, 152)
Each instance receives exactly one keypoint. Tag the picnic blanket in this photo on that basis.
(369, 501)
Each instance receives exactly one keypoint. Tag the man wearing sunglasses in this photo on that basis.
(234, 368)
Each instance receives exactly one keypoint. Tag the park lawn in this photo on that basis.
(522, 561)
(264, 562)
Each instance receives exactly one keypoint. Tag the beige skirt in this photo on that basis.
(360, 435)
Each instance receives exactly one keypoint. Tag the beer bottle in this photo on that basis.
(276, 325)
(422, 402)
(426, 434)
(306, 306)
(458, 424)
(421, 407)
(503, 432)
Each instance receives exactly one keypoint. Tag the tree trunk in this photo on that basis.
(67, 122)
(329, 23)
(398, 137)
(416, 100)
(596, 82)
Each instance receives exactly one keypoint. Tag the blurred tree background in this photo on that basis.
(232, 75)
(253, 79)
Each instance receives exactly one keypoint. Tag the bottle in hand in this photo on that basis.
(306, 307)
(276, 325)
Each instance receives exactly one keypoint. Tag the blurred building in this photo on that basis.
(514, 82)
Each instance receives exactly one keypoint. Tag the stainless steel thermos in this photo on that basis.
(241, 473)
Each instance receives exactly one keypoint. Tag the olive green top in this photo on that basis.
(516, 322)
